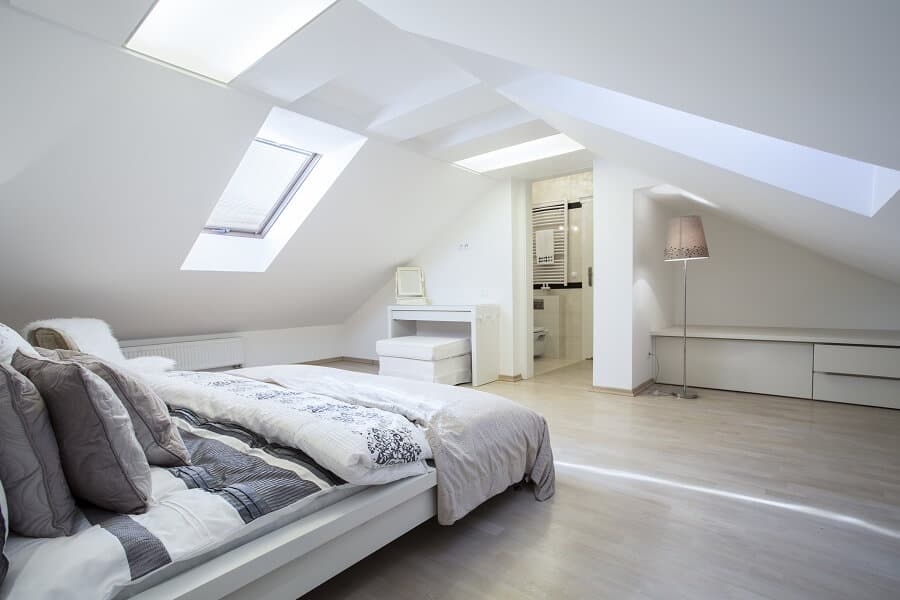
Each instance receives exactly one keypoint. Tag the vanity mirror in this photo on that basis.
(409, 286)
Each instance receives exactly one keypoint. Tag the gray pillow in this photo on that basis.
(40, 503)
(101, 457)
(4, 532)
(47, 353)
(155, 431)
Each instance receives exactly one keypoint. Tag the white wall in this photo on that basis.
(614, 273)
(470, 262)
(756, 279)
(368, 323)
(522, 293)
(274, 346)
(654, 283)
(110, 165)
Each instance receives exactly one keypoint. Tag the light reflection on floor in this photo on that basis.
(799, 508)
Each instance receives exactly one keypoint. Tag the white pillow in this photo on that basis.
(10, 341)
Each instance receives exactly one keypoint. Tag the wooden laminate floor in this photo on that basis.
(728, 496)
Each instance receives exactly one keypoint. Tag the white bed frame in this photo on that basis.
(290, 561)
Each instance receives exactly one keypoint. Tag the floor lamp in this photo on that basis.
(686, 241)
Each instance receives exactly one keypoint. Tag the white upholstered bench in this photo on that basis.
(425, 358)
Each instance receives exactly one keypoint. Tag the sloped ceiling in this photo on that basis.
(822, 74)
(110, 163)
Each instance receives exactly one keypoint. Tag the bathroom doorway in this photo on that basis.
(562, 235)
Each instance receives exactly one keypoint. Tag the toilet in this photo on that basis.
(540, 338)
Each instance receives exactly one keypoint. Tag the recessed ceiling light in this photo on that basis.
(538, 149)
(220, 39)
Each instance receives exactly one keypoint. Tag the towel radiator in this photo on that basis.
(551, 215)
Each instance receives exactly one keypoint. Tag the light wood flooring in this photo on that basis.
(728, 496)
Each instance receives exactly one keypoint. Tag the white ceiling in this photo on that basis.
(433, 80)
(822, 73)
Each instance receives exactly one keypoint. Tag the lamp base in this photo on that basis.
(685, 394)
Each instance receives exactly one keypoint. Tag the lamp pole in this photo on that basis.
(684, 393)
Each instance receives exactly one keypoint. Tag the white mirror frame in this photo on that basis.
(402, 282)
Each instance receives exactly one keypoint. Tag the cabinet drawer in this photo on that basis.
(857, 390)
(857, 360)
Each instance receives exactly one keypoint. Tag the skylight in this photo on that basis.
(842, 182)
(267, 178)
(546, 147)
(220, 39)
(271, 193)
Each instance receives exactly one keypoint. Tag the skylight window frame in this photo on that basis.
(296, 182)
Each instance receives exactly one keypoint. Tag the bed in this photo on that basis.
(297, 473)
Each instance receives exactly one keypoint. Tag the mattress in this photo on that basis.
(450, 371)
(423, 347)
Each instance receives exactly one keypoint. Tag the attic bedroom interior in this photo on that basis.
(364, 299)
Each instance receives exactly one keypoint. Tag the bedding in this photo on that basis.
(94, 337)
(10, 341)
(4, 533)
(153, 428)
(38, 496)
(365, 446)
(269, 445)
(239, 486)
(102, 460)
(481, 443)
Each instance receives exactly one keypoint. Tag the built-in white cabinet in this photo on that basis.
(856, 367)
(775, 368)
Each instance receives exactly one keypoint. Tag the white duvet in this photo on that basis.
(362, 445)
(482, 443)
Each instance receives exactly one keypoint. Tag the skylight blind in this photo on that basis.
(260, 188)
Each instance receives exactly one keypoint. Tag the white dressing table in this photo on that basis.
(481, 322)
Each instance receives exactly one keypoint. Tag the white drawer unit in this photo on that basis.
(872, 361)
(857, 374)
(871, 391)
(836, 365)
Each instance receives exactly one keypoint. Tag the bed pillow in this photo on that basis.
(46, 337)
(4, 533)
(38, 497)
(10, 341)
(47, 353)
(101, 457)
(155, 431)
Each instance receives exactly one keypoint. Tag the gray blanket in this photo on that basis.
(482, 443)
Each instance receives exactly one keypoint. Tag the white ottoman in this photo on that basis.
(437, 359)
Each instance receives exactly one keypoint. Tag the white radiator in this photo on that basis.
(195, 355)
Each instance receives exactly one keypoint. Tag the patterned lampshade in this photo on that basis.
(686, 239)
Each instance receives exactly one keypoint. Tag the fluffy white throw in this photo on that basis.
(94, 336)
